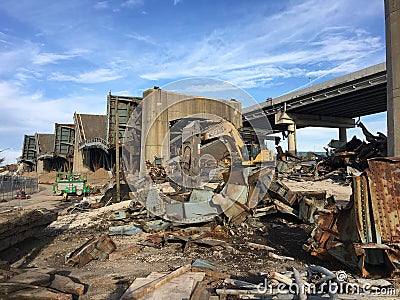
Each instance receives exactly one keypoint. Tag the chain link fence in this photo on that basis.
(9, 185)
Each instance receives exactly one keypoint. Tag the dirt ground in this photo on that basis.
(109, 279)
(44, 198)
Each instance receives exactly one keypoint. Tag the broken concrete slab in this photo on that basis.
(66, 285)
(31, 278)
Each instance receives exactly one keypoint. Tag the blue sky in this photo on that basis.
(57, 57)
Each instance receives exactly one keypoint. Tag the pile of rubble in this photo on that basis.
(363, 234)
(37, 283)
(342, 160)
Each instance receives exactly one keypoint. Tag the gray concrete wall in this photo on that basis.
(161, 107)
(78, 166)
(392, 19)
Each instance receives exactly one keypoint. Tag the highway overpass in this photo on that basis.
(334, 103)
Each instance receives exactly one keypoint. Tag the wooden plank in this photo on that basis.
(177, 289)
(151, 286)
(138, 282)
(281, 278)
(38, 293)
(211, 273)
(259, 246)
(200, 292)
(9, 287)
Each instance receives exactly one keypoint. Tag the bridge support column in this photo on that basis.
(292, 148)
(342, 134)
(392, 20)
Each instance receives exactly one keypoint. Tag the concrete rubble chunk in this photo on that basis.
(31, 278)
(66, 285)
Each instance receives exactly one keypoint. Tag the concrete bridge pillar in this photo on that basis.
(343, 134)
(292, 148)
(392, 20)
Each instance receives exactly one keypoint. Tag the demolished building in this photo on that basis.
(64, 146)
(90, 146)
(28, 156)
(44, 152)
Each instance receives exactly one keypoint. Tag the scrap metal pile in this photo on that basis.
(342, 160)
(237, 195)
(365, 234)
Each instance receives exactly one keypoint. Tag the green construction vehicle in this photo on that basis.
(71, 183)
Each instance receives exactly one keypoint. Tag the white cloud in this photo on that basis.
(101, 5)
(132, 3)
(17, 57)
(208, 87)
(96, 76)
(30, 112)
(48, 58)
(5, 42)
(258, 50)
(177, 2)
(139, 37)
(10, 156)
(23, 74)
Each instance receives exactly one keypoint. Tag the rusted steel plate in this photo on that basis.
(95, 248)
(365, 234)
(385, 196)
(362, 206)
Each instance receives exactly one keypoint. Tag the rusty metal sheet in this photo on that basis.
(384, 185)
(308, 209)
(362, 206)
(94, 248)
(235, 212)
(280, 190)
(366, 233)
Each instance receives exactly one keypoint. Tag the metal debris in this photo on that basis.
(94, 248)
(365, 233)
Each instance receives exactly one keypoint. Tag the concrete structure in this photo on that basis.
(90, 147)
(64, 145)
(334, 103)
(47, 152)
(28, 156)
(160, 108)
(126, 105)
(44, 152)
(392, 20)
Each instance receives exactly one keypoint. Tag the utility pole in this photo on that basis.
(117, 160)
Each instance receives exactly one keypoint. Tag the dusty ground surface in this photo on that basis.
(44, 198)
(109, 279)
